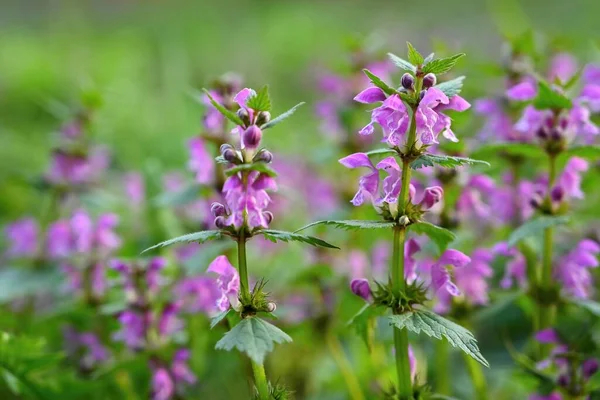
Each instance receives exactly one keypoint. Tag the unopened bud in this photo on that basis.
(361, 288)
(224, 147)
(429, 80)
(422, 94)
(557, 194)
(271, 307)
(221, 222)
(231, 156)
(404, 220)
(563, 380)
(244, 116)
(251, 137)
(217, 209)
(542, 133)
(263, 156)
(433, 195)
(589, 368)
(535, 201)
(407, 81)
(555, 134)
(263, 117)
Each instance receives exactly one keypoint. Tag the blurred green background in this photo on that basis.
(144, 57)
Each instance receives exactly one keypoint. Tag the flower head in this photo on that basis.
(228, 282)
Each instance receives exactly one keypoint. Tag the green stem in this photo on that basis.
(260, 378)
(442, 366)
(477, 377)
(335, 348)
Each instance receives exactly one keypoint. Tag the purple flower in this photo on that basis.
(547, 336)
(163, 387)
(23, 238)
(589, 368)
(213, 120)
(430, 119)
(250, 199)
(515, 268)
(411, 247)
(360, 287)
(228, 282)
(563, 67)
(368, 185)
(570, 180)
(198, 294)
(475, 198)
(153, 273)
(133, 329)
(412, 362)
(135, 189)
(573, 269)
(181, 371)
(201, 162)
(498, 123)
(440, 275)
(85, 345)
(75, 169)
(98, 236)
(59, 240)
(168, 321)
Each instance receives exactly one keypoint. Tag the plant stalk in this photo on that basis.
(337, 352)
(477, 377)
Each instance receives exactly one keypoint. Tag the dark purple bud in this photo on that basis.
(224, 147)
(217, 209)
(268, 216)
(221, 222)
(244, 116)
(549, 122)
(271, 307)
(407, 81)
(422, 94)
(231, 156)
(264, 156)
(589, 368)
(429, 80)
(557, 194)
(563, 123)
(555, 134)
(251, 137)
(263, 117)
(360, 287)
(535, 201)
(563, 380)
(542, 133)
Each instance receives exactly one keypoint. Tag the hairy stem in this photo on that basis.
(337, 352)
(442, 366)
(260, 378)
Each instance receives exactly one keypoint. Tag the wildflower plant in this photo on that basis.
(243, 216)
(412, 118)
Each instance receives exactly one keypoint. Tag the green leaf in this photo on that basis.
(589, 152)
(274, 236)
(378, 152)
(200, 237)
(260, 101)
(261, 167)
(430, 160)
(253, 336)
(219, 317)
(590, 305)
(281, 117)
(351, 224)
(375, 80)
(428, 59)
(436, 326)
(452, 87)
(230, 115)
(442, 65)
(535, 226)
(441, 237)
(413, 55)
(360, 322)
(401, 63)
(549, 99)
(528, 150)
(19, 282)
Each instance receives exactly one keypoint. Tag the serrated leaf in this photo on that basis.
(428, 59)
(261, 167)
(452, 87)
(281, 117)
(430, 160)
(352, 224)
(230, 115)
(375, 80)
(528, 150)
(255, 337)
(199, 237)
(402, 63)
(442, 65)
(274, 236)
(378, 152)
(214, 321)
(549, 99)
(360, 321)
(413, 55)
(260, 101)
(534, 227)
(441, 237)
(589, 152)
(436, 326)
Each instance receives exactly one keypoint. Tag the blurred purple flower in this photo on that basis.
(573, 269)
(135, 189)
(168, 321)
(133, 329)
(98, 236)
(515, 268)
(22, 236)
(181, 370)
(198, 294)
(163, 387)
(201, 161)
(59, 240)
